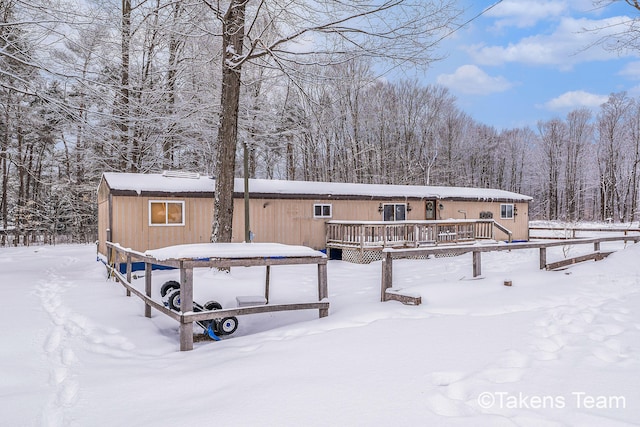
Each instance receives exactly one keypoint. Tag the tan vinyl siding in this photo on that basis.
(291, 221)
(519, 225)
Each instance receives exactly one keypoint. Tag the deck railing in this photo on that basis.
(393, 234)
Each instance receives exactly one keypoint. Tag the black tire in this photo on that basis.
(212, 305)
(174, 300)
(227, 326)
(167, 286)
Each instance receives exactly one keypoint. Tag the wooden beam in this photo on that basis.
(387, 275)
(128, 273)
(323, 290)
(266, 283)
(147, 288)
(239, 311)
(477, 264)
(160, 307)
(543, 258)
(596, 256)
(186, 306)
(392, 295)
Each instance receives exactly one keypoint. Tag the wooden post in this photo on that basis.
(387, 275)
(323, 290)
(596, 246)
(116, 260)
(266, 284)
(477, 264)
(543, 258)
(129, 273)
(186, 305)
(147, 288)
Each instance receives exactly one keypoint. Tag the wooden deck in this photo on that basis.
(378, 235)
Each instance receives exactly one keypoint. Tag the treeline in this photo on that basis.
(88, 87)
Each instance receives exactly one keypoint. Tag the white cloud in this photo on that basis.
(631, 70)
(470, 79)
(576, 99)
(571, 43)
(525, 13)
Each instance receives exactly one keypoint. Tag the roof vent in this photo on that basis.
(181, 174)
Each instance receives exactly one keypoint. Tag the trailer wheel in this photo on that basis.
(212, 305)
(168, 286)
(174, 300)
(227, 326)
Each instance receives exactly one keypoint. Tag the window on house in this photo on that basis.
(394, 212)
(506, 211)
(166, 213)
(321, 211)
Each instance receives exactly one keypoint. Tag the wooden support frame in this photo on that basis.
(187, 317)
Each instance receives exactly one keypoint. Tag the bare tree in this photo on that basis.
(580, 135)
(621, 36)
(611, 136)
(398, 30)
(553, 137)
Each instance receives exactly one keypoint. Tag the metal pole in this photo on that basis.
(247, 231)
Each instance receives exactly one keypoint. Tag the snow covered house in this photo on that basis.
(149, 211)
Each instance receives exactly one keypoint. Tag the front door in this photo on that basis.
(430, 210)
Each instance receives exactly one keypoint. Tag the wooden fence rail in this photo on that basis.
(571, 232)
(390, 254)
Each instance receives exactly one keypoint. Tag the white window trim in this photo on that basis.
(166, 224)
(323, 216)
(512, 211)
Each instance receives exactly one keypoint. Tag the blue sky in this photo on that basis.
(525, 61)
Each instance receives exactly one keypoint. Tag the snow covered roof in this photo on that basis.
(194, 183)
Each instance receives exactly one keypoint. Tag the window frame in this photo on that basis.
(395, 211)
(322, 206)
(166, 204)
(504, 211)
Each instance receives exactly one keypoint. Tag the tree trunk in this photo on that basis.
(233, 36)
(123, 113)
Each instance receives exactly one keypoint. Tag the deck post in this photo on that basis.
(387, 275)
(186, 305)
(128, 273)
(543, 258)
(477, 264)
(596, 246)
(266, 283)
(147, 288)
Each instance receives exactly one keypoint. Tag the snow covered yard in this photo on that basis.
(556, 348)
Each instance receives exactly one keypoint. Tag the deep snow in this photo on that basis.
(556, 348)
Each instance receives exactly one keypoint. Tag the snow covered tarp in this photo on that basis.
(232, 250)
